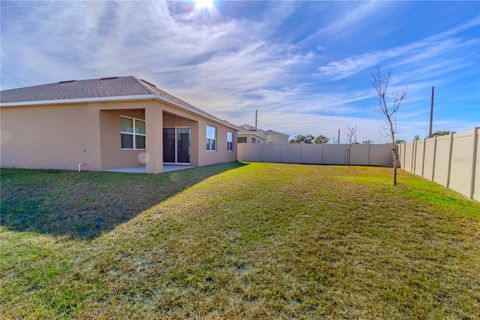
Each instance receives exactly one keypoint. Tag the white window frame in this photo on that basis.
(206, 139)
(229, 133)
(133, 134)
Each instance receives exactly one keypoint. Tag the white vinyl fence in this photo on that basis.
(360, 154)
(452, 161)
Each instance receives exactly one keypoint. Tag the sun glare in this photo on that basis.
(204, 4)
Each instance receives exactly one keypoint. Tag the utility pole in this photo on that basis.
(256, 119)
(431, 112)
(338, 139)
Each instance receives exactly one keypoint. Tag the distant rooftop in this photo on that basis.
(246, 127)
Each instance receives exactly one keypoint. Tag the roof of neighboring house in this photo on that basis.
(247, 129)
(276, 133)
(103, 88)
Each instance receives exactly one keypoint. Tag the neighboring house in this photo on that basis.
(250, 134)
(277, 137)
(108, 123)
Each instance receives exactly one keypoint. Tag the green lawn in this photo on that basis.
(236, 241)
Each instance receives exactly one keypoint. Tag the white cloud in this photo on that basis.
(411, 54)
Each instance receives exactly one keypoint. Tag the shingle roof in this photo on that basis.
(275, 132)
(77, 89)
(246, 127)
(95, 88)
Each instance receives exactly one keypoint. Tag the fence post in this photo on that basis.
(404, 154)
(474, 161)
(423, 159)
(434, 156)
(450, 159)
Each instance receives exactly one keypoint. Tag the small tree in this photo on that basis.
(389, 102)
(350, 132)
(321, 139)
(416, 137)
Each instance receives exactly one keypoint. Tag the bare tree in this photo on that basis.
(389, 102)
(350, 132)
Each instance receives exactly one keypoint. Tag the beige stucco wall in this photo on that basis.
(221, 154)
(61, 136)
(54, 137)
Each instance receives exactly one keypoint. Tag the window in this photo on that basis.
(211, 135)
(254, 140)
(242, 140)
(229, 141)
(132, 133)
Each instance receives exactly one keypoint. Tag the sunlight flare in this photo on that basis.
(204, 4)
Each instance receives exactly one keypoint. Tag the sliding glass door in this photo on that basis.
(183, 145)
(176, 145)
(169, 145)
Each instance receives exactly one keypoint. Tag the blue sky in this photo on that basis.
(304, 65)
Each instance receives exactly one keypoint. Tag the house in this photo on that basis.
(109, 123)
(250, 134)
(277, 137)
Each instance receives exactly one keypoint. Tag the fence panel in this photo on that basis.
(408, 156)
(451, 160)
(334, 153)
(312, 153)
(442, 160)
(360, 154)
(476, 181)
(381, 155)
(461, 166)
(291, 153)
(249, 152)
(271, 152)
(419, 158)
(429, 160)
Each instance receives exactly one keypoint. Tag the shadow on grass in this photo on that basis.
(83, 205)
